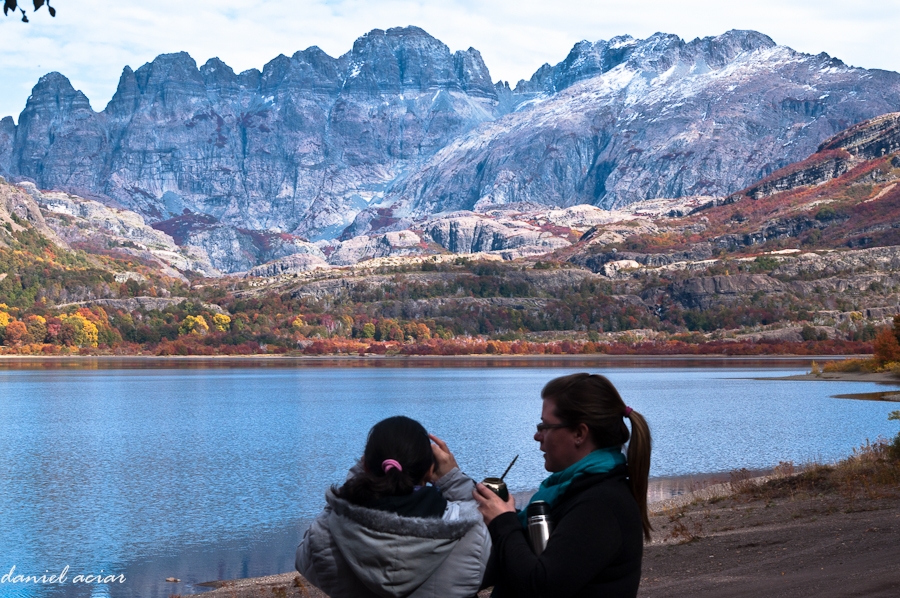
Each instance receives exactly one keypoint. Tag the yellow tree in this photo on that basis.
(221, 322)
(297, 323)
(79, 331)
(193, 325)
(346, 324)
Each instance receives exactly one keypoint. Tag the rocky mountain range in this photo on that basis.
(809, 254)
(401, 134)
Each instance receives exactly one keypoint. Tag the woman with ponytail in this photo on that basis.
(597, 496)
(403, 524)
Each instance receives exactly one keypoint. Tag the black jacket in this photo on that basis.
(595, 547)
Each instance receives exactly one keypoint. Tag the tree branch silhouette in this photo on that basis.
(13, 6)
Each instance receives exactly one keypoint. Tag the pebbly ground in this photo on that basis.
(823, 546)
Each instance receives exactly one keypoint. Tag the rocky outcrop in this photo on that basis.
(596, 262)
(292, 264)
(852, 284)
(821, 274)
(873, 138)
(91, 225)
(232, 249)
(705, 291)
(470, 233)
(459, 232)
(867, 140)
(17, 207)
(818, 169)
(364, 247)
(813, 265)
(881, 313)
(779, 228)
(7, 139)
(790, 334)
(140, 303)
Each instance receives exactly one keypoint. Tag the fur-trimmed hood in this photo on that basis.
(393, 555)
(353, 552)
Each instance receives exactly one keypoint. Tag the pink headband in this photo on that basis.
(628, 411)
(389, 464)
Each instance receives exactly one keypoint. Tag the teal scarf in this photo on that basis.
(599, 461)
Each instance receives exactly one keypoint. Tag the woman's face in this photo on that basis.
(560, 445)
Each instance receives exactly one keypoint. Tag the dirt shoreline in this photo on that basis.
(824, 546)
(878, 378)
(711, 543)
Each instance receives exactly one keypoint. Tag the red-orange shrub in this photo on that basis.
(887, 348)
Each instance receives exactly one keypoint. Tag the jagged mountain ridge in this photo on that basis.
(656, 118)
(292, 148)
(305, 144)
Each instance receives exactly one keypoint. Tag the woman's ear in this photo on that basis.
(582, 434)
(429, 477)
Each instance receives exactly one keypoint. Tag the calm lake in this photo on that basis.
(212, 473)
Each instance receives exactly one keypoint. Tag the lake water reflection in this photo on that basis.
(206, 474)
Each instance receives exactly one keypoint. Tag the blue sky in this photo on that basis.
(90, 41)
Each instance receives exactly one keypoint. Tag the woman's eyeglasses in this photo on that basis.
(542, 427)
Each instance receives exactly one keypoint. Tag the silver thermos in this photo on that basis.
(539, 527)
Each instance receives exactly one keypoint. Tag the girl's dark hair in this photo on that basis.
(591, 399)
(399, 438)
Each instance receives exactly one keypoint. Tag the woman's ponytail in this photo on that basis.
(639, 465)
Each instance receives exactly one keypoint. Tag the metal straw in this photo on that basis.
(508, 468)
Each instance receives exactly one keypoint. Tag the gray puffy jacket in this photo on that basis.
(354, 552)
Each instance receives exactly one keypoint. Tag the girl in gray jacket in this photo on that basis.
(387, 533)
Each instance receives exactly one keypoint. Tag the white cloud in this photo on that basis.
(91, 40)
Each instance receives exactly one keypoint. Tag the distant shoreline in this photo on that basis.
(400, 361)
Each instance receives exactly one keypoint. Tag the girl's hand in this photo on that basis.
(490, 505)
(444, 460)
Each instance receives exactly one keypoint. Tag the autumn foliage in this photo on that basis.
(887, 344)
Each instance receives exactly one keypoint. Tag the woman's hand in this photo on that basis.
(490, 505)
(444, 460)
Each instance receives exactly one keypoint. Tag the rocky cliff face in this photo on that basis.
(703, 292)
(400, 128)
(7, 139)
